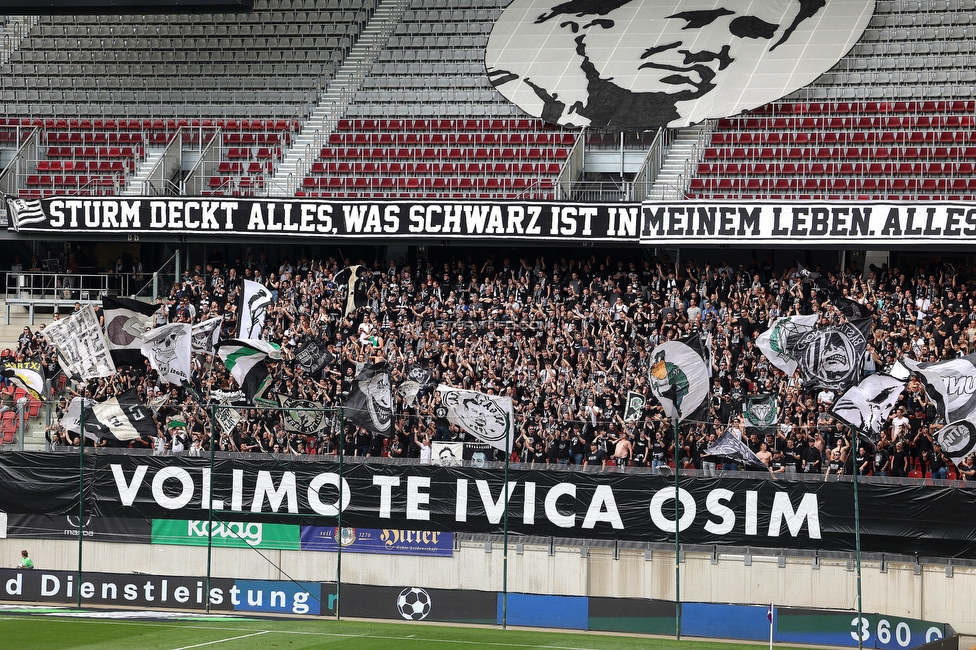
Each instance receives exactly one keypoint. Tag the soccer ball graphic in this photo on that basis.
(414, 603)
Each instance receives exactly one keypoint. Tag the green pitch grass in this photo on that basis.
(58, 633)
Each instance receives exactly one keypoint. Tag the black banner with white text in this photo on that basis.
(828, 223)
(746, 511)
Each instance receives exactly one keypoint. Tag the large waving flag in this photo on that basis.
(370, 401)
(774, 341)
(958, 439)
(125, 324)
(120, 418)
(29, 375)
(730, 448)
(866, 406)
(950, 384)
(82, 348)
(246, 361)
(761, 412)
(831, 357)
(679, 377)
(488, 418)
(168, 351)
(255, 300)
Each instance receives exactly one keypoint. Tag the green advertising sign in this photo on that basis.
(229, 534)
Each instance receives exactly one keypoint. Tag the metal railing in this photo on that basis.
(57, 290)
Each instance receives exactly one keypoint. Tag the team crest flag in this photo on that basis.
(296, 416)
(773, 342)
(246, 361)
(255, 300)
(352, 281)
(489, 418)
(761, 412)
(206, 334)
(24, 212)
(679, 377)
(125, 324)
(29, 375)
(634, 407)
(370, 401)
(866, 406)
(121, 418)
(168, 351)
(313, 356)
(831, 357)
(950, 384)
(958, 439)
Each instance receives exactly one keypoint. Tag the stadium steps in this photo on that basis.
(334, 102)
(137, 184)
(673, 179)
(12, 32)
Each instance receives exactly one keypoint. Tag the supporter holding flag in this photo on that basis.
(489, 418)
(125, 323)
(122, 418)
(370, 401)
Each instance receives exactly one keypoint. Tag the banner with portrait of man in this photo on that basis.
(302, 415)
(831, 357)
(646, 64)
(370, 401)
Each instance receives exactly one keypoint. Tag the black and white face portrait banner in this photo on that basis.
(741, 511)
(647, 64)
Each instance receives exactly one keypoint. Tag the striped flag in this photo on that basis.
(245, 359)
(25, 211)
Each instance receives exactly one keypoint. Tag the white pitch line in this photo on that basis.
(233, 638)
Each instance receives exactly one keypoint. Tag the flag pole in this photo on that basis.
(339, 450)
(772, 613)
(508, 454)
(857, 541)
(210, 498)
(677, 540)
(81, 495)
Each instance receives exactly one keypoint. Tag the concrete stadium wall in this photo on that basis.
(899, 591)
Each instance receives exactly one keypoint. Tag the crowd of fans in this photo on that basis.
(567, 339)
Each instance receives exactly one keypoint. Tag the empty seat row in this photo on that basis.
(839, 169)
(447, 168)
(474, 153)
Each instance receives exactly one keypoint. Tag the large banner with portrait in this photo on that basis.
(640, 65)
(742, 511)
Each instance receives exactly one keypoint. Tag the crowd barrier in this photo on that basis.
(419, 603)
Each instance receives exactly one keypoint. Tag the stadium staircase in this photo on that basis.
(673, 178)
(333, 104)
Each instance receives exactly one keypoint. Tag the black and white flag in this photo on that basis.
(352, 281)
(302, 416)
(761, 412)
(729, 448)
(831, 357)
(121, 418)
(958, 439)
(775, 341)
(679, 377)
(24, 212)
(313, 356)
(206, 335)
(71, 420)
(168, 351)
(29, 375)
(489, 418)
(125, 324)
(634, 407)
(229, 396)
(227, 418)
(950, 384)
(418, 379)
(246, 359)
(370, 401)
(851, 309)
(82, 348)
(255, 300)
(867, 405)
